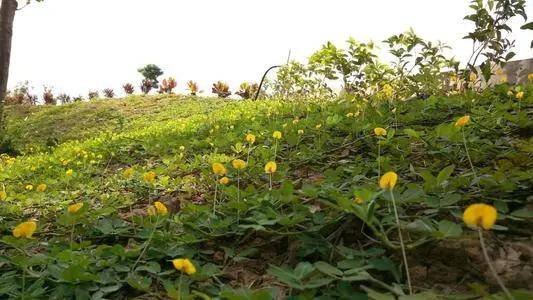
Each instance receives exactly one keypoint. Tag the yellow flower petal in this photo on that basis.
(480, 214)
(219, 169)
(238, 164)
(388, 180)
(74, 208)
(380, 131)
(161, 208)
(462, 121)
(25, 229)
(271, 167)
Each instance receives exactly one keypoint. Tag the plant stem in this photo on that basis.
(379, 161)
(23, 283)
(215, 199)
(147, 244)
(468, 154)
(491, 267)
(238, 194)
(270, 180)
(401, 242)
(179, 285)
(71, 236)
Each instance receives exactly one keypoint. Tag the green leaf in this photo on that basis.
(328, 269)
(449, 229)
(138, 282)
(444, 174)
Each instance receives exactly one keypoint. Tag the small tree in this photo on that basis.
(221, 89)
(151, 72)
(128, 88)
(48, 96)
(109, 93)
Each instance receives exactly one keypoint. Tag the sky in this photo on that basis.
(75, 46)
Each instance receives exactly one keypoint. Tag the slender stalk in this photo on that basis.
(491, 267)
(215, 199)
(401, 243)
(23, 283)
(276, 150)
(379, 160)
(179, 285)
(468, 154)
(147, 244)
(71, 236)
(238, 194)
(270, 180)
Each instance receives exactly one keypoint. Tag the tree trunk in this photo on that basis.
(7, 15)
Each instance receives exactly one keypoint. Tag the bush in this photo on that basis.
(150, 73)
(93, 95)
(192, 87)
(21, 95)
(146, 86)
(221, 89)
(64, 98)
(247, 90)
(128, 88)
(167, 85)
(109, 93)
(48, 96)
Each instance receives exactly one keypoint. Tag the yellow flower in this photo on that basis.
(359, 200)
(250, 138)
(3, 195)
(128, 173)
(480, 214)
(25, 229)
(238, 164)
(473, 77)
(182, 148)
(388, 180)
(510, 93)
(41, 187)
(29, 187)
(300, 131)
(462, 121)
(519, 95)
(277, 135)
(224, 180)
(530, 76)
(219, 169)
(387, 90)
(149, 177)
(74, 208)
(503, 79)
(295, 121)
(271, 167)
(349, 115)
(161, 208)
(380, 131)
(184, 265)
(69, 172)
(318, 126)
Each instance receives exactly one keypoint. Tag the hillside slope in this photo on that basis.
(318, 226)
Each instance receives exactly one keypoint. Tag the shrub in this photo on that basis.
(64, 98)
(167, 85)
(146, 86)
(128, 88)
(109, 93)
(93, 95)
(247, 90)
(21, 95)
(78, 98)
(221, 89)
(48, 96)
(192, 87)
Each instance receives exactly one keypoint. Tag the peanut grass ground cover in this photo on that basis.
(207, 198)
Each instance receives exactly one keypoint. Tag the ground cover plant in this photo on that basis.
(266, 199)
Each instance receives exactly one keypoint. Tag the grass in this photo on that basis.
(308, 236)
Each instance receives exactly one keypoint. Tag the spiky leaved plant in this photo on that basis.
(221, 89)
(109, 93)
(192, 87)
(167, 85)
(247, 90)
(146, 86)
(48, 96)
(93, 95)
(64, 98)
(128, 88)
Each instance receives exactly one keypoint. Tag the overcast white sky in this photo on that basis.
(78, 45)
